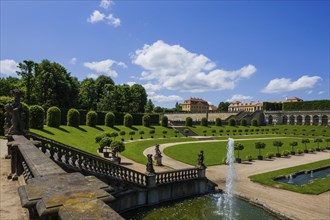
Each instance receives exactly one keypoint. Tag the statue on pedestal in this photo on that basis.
(13, 121)
(158, 156)
(149, 166)
(201, 160)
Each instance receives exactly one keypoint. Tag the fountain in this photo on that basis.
(312, 175)
(290, 179)
(225, 201)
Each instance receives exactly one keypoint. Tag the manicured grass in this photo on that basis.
(84, 136)
(291, 130)
(134, 150)
(316, 187)
(215, 152)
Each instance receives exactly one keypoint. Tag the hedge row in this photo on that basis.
(271, 106)
(307, 105)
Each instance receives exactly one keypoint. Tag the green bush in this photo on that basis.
(270, 155)
(204, 122)
(218, 122)
(119, 145)
(285, 153)
(110, 119)
(271, 106)
(73, 117)
(307, 105)
(131, 133)
(300, 151)
(232, 122)
(249, 157)
(122, 134)
(99, 137)
(254, 122)
(243, 122)
(164, 121)
(91, 119)
(312, 150)
(189, 122)
(37, 116)
(146, 120)
(128, 120)
(105, 142)
(54, 117)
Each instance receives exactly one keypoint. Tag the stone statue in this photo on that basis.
(158, 156)
(13, 121)
(201, 159)
(150, 167)
(114, 152)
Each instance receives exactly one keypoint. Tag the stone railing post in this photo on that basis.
(151, 180)
(201, 172)
(15, 160)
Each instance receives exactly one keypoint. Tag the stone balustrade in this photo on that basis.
(177, 175)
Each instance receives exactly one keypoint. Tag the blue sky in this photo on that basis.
(215, 50)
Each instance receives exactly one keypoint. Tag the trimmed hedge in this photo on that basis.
(307, 105)
(254, 122)
(218, 122)
(37, 116)
(128, 120)
(204, 122)
(243, 122)
(232, 122)
(189, 122)
(91, 119)
(272, 106)
(73, 118)
(164, 121)
(146, 120)
(53, 117)
(109, 119)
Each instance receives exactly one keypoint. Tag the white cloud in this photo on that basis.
(96, 17)
(309, 92)
(157, 98)
(239, 97)
(104, 66)
(149, 87)
(130, 83)
(279, 85)
(92, 75)
(122, 64)
(106, 4)
(112, 20)
(8, 67)
(175, 68)
(320, 92)
(73, 60)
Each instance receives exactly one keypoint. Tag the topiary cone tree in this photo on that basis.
(91, 119)
(110, 119)
(259, 146)
(73, 117)
(128, 120)
(305, 142)
(122, 134)
(238, 148)
(293, 144)
(189, 122)
(53, 117)
(318, 141)
(278, 144)
(37, 115)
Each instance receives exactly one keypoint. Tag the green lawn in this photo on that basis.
(215, 152)
(292, 130)
(84, 136)
(316, 187)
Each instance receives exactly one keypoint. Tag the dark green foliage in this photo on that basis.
(164, 121)
(278, 144)
(254, 122)
(73, 118)
(238, 147)
(119, 145)
(110, 119)
(243, 122)
(272, 106)
(54, 117)
(26, 116)
(105, 142)
(259, 146)
(128, 120)
(131, 133)
(204, 122)
(91, 119)
(37, 116)
(307, 105)
(99, 137)
(146, 120)
(223, 106)
(189, 122)
(218, 122)
(232, 122)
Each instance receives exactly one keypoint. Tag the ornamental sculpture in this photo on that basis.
(13, 115)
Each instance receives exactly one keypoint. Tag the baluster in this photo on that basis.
(74, 159)
(51, 151)
(59, 155)
(43, 147)
(67, 156)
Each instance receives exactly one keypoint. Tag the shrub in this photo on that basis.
(141, 134)
(146, 120)
(176, 132)
(254, 122)
(164, 121)
(73, 118)
(105, 142)
(189, 122)
(300, 151)
(128, 120)
(285, 153)
(53, 117)
(164, 133)
(311, 150)
(243, 122)
(218, 122)
(99, 137)
(186, 131)
(122, 134)
(232, 122)
(270, 155)
(110, 119)
(37, 115)
(249, 158)
(131, 133)
(91, 119)
(119, 145)
(151, 132)
(204, 122)
(114, 135)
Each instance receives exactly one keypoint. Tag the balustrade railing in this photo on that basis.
(177, 175)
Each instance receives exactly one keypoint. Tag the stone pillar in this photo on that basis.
(311, 122)
(151, 180)
(303, 120)
(295, 119)
(320, 119)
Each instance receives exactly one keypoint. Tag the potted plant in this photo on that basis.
(176, 132)
(238, 147)
(293, 144)
(141, 134)
(114, 135)
(122, 134)
(285, 153)
(131, 133)
(270, 155)
(318, 141)
(105, 142)
(151, 132)
(259, 146)
(213, 132)
(249, 158)
(278, 144)
(305, 141)
(164, 133)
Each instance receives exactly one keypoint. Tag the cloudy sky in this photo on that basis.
(215, 50)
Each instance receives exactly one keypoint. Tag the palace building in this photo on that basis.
(195, 105)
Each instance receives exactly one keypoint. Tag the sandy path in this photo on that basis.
(294, 205)
(10, 204)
